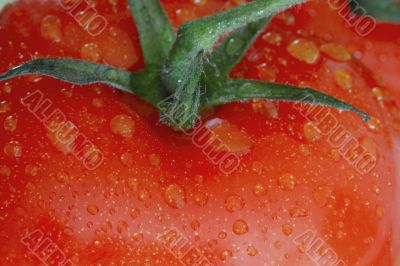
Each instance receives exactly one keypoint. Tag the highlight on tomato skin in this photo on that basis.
(314, 185)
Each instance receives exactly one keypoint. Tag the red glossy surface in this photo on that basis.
(293, 187)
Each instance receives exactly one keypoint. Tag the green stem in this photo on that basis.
(155, 31)
(182, 72)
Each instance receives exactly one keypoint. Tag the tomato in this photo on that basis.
(303, 191)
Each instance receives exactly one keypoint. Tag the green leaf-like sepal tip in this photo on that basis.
(232, 90)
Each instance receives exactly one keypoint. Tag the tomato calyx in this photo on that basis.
(184, 72)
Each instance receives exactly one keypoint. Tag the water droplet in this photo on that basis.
(252, 251)
(369, 240)
(234, 203)
(133, 184)
(304, 50)
(174, 196)
(195, 225)
(259, 189)
(287, 181)
(375, 188)
(336, 52)
(127, 159)
(226, 137)
(322, 196)
(298, 212)
(5, 170)
(7, 88)
(344, 79)
(222, 235)
(184, 15)
(122, 226)
(340, 234)
(272, 38)
(62, 177)
(378, 93)
(154, 160)
(379, 212)
(311, 132)
(135, 213)
(286, 17)
(31, 170)
(106, 226)
(4, 107)
(200, 2)
(13, 149)
(122, 125)
(92, 209)
(112, 179)
(200, 198)
(199, 179)
(287, 229)
(265, 107)
(97, 102)
(68, 231)
(240, 227)
(50, 28)
(374, 125)
(226, 254)
(90, 52)
(370, 146)
(144, 195)
(10, 123)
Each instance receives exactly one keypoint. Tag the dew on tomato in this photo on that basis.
(336, 51)
(10, 123)
(154, 179)
(304, 50)
(343, 79)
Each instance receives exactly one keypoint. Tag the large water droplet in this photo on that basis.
(344, 79)
(122, 125)
(336, 52)
(135, 213)
(234, 203)
(175, 196)
(287, 181)
(322, 196)
(92, 209)
(311, 132)
(252, 251)
(287, 229)
(240, 227)
(304, 50)
(50, 28)
(13, 149)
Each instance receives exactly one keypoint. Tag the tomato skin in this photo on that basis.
(291, 183)
(378, 50)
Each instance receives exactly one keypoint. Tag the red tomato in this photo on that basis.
(303, 192)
